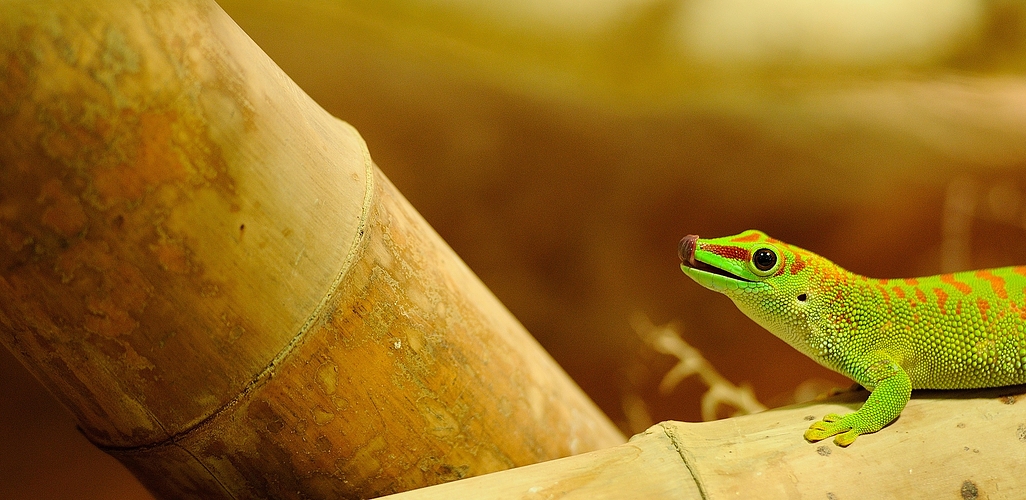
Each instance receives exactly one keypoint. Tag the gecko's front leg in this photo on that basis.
(890, 392)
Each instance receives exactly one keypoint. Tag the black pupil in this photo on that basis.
(764, 259)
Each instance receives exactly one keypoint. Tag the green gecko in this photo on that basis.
(951, 331)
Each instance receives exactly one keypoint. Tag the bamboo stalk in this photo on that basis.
(208, 270)
(947, 444)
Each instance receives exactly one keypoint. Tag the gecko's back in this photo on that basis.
(951, 331)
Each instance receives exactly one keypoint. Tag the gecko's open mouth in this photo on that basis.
(686, 251)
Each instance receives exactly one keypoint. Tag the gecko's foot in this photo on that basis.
(833, 425)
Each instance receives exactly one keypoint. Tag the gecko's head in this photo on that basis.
(750, 262)
(770, 281)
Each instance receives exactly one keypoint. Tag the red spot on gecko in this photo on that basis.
(997, 283)
(753, 236)
(783, 266)
(958, 308)
(883, 282)
(942, 299)
(921, 296)
(728, 252)
(950, 279)
(983, 305)
(911, 281)
(1019, 270)
(797, 265)
(899, 292)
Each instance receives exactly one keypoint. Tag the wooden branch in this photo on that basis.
(209, 272)
(947, 444)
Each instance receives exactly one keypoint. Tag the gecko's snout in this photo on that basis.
(686, 248)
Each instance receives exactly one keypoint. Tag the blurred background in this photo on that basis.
(563, 148)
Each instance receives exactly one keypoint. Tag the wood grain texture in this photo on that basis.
(211, 274)
(947, 444)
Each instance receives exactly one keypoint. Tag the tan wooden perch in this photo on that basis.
(947, 444)
(209, 272)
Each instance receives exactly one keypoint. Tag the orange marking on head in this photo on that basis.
(997, 283)
(942, 299)
(797, 265)
(983, 306)
(911, 281)
(1019, 270)
(883, 282)
(728, 252)
(747, 238)
(958, 308)
(950, 279)
(899, 292)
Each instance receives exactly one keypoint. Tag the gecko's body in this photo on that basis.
(950, 331)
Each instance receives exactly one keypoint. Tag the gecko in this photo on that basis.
(959, 330)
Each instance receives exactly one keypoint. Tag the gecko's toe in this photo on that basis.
(846, 438)
(831, 425)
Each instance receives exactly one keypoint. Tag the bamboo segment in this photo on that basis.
(946, 444)
(207, 269)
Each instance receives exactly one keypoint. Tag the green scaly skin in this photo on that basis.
(950, 331)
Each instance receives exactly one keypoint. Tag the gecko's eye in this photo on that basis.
(764, 259)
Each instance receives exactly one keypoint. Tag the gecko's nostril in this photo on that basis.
(686, 248)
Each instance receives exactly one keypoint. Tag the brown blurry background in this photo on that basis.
(563, 147)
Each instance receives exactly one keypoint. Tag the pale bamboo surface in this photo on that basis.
(947, 444)
(208, 270)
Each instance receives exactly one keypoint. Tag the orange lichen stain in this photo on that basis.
(64, 213)
(154, 162)
(327, 378)
(322, 416)
(363, 464)
(136, 361)
(107, 318)
(171, 257)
